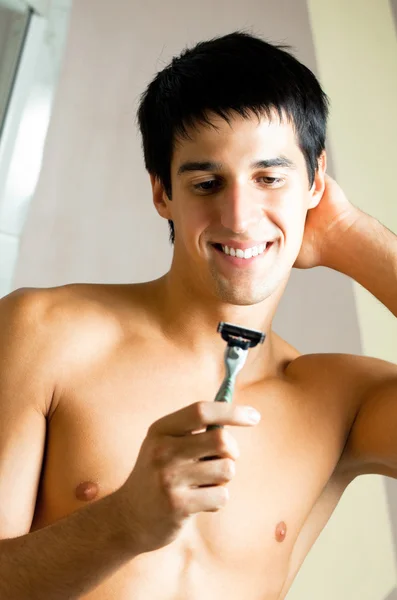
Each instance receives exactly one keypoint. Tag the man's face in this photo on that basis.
(238, 188)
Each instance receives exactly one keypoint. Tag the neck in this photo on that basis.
(190, 319)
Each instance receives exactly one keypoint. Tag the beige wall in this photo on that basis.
(92, 220)
(393, 5)
(356, 50)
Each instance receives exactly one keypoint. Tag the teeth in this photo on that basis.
(248, 253)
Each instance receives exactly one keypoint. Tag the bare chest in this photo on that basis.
(285, 466)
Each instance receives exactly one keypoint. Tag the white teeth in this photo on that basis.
(248, 253)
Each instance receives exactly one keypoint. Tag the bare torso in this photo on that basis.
(119, 376)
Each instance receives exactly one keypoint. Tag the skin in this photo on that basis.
(125, 376)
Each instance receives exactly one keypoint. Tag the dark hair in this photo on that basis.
(234, 73)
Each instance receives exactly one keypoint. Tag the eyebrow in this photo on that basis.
(279, 161)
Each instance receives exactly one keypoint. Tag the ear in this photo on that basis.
(318, 187)
(160, 198)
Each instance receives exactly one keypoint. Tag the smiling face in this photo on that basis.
(239, 189)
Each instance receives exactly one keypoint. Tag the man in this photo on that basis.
(107, 390)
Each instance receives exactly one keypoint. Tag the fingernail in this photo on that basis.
(253, 415)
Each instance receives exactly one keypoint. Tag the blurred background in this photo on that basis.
(75, 201)
(32, 39)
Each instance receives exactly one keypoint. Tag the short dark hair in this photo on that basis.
(237, 73)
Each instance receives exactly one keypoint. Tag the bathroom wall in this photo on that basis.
(31, 47)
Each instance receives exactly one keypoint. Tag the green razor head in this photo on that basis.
(235, 335)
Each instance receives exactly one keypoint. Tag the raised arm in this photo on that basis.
(340, 236)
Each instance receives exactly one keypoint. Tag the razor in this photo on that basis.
(239, 341)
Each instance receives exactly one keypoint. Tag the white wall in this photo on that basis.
(25, 127)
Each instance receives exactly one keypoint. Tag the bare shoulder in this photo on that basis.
(349, 374)
(59, 310)
(57, 330)
(24, 345)
(346, 385)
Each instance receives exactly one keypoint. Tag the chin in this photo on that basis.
(239, 295)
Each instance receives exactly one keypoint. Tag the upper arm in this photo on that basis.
(372, 442)
(25, 397)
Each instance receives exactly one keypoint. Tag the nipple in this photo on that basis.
(281, 532)
(87, 490)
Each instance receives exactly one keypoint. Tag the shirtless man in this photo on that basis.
(107, 390)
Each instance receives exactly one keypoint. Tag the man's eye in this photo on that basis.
(271, 180)
(206, 186)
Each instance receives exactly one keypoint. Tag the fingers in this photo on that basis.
(204, 474)
(200, 414)
(186, 502)
(175, 454)
(182, 468)
(207, 499)
(192, 448)
(199, 474)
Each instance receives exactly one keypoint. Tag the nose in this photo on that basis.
(241, 208)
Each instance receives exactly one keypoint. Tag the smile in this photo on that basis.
(239, 255)
(247, 252)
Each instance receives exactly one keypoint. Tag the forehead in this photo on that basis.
(239, 139)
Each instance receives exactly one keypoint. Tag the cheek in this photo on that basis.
(193, 218)
(291, 216)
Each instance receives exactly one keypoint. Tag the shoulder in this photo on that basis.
(347, 376)
(48, 312)
(359, 374)
(46, 333)
(355, 388)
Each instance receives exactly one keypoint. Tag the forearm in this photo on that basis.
(367, 252)
(68, 558)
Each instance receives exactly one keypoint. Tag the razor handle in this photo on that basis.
(225, 394)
